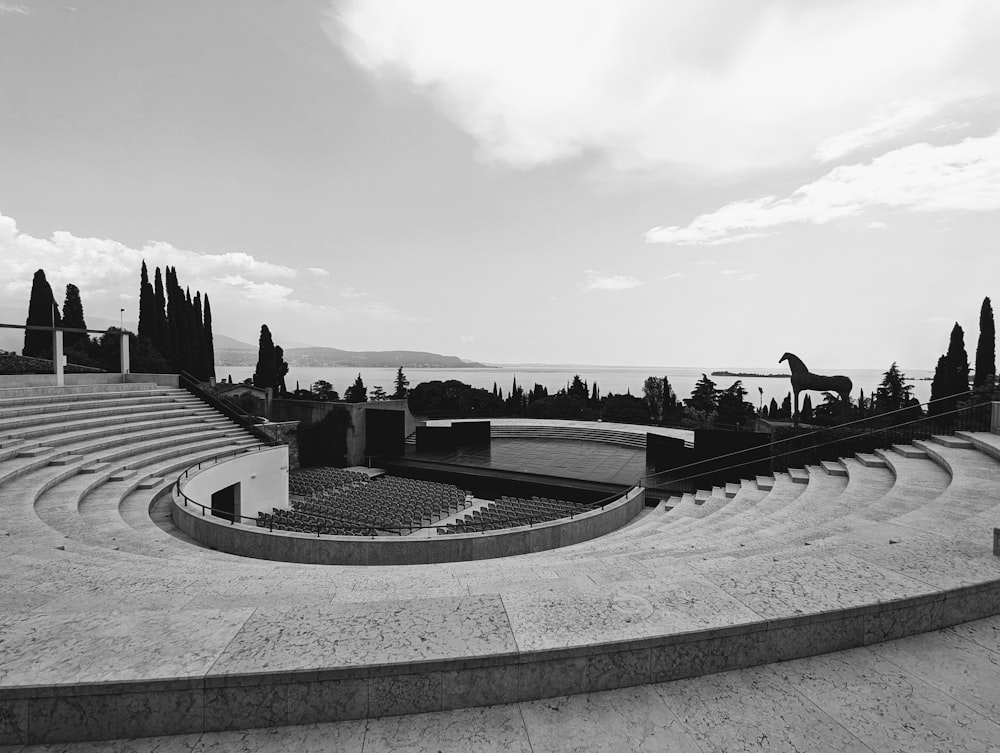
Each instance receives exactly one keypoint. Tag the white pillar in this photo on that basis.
(57, 357)
(995, 418)
(124, 353)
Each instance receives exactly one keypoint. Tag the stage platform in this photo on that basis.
(568, 459)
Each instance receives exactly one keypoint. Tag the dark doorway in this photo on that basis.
(225, 503)
(385, 434)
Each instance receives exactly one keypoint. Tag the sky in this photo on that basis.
(644, 182)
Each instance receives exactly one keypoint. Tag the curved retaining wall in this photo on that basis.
(288, 546)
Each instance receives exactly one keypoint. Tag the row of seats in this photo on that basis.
(305, 481)
(510, 512)
(301, 522)
(389, 503)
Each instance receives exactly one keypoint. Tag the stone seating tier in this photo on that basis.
(115, 625)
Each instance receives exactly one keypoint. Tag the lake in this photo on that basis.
(617, 379)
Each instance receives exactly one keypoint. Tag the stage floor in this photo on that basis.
(588, 461)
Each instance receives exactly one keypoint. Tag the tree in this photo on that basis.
(73, 318)
(807, 408)
(578, 388)
(625, 409)
(42, 312)
(951, 377)
(893, 393)
(357, 392)
(773, 409)
(267, 369)
(147, 305)
(732, 409)
(323, 390)
(704, 396)
(378, 394)
(280, 370)
(161, 333)
(652, 393)
(402, 385)
(986, 361)
(209, 343)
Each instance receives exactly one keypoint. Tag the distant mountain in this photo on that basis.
(223, 342)
(330, 357)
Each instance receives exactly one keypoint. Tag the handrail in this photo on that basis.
(600, 504)
(870, 420)
(50, 328)
(836, 440)
(192, 385)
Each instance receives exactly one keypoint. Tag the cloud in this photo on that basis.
(889, 124)
(961, 177)
(93, 263)
(716, 84)
(597, 281)
(13, 9)
(353, 293)
(318, 271)
(466, 338)
(739, 275)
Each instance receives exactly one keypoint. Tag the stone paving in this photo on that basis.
(97, 591)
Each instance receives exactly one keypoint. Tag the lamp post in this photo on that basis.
(121, 319)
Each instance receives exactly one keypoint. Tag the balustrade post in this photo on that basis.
(124, 350)
(58, 359)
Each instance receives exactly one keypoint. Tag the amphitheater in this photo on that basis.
(845, 606)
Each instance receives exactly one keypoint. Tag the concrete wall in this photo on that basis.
(262, 476)
(285, 432)
(250, 541)
(49, 380)
(315, 410)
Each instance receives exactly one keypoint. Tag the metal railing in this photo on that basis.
(829, 443)
(229, 410)
(380, 528)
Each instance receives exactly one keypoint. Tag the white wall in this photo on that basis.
(262, 476)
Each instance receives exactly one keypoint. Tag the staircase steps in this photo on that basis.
(799, 475)
(909, 451)
(871, 461)
(765, 483)
(833, 467)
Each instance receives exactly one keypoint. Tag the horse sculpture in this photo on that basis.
(803, 379)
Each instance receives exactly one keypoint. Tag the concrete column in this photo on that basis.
(58, 358)
(125, 353)
(995, 419)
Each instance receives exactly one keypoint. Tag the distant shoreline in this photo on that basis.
(749, 374)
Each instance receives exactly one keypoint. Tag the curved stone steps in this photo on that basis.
(783, 492)
(808, 517)
(118, 512)
(141, 390)
(175, 453)
(109, 400)
(90, 445)
(144, 405)
(53, 433)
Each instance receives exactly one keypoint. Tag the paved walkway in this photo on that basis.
(935, 692)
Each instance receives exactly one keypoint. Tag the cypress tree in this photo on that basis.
(161, 338)
(173, 318)
(958, 362)
(198, 339)
(209, 344)
(147, 306)
(266, 371)
(280, 370)
(986, 361)
(42, 312)
(190, 344)
(73, 317)
(951, 377)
